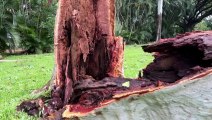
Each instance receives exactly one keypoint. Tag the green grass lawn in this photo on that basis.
(19, 79)
(135, 59)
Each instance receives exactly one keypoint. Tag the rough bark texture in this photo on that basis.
(180, 56)
(85, 45)
(183, 101)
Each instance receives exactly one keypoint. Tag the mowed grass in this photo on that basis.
(135, 59)
(19, 79)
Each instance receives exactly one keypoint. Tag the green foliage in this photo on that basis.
(6, 24)
(27, 24)
(136, 19)
(3, 42)
(202, 26)
(183, 15)
(35, 26)
(3, 46)
(208, 22)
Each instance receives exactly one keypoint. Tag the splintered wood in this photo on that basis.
(184, 55)
(89, 62)
(85, 45)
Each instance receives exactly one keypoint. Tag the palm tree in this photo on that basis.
(134, 20)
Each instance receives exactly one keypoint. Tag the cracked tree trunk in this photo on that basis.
(85, 45)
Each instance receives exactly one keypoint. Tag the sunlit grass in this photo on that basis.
(19, 79)
(135, 59)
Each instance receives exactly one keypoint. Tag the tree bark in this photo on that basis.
(85, 45)
(188, 27)
(159, 22)
(186, 100)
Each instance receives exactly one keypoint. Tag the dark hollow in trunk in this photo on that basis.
(89, 60)
(85, 45)
(179, 57)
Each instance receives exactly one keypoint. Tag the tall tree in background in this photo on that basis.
(135, 20)
(27, 24)
(160, 12)
(182, 15)
(35, 26)
(194, 12)
(7, 23)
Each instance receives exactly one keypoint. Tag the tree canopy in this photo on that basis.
(185, 14)
(29, 24)
(137, 19)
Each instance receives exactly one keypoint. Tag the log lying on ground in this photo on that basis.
(189, 99)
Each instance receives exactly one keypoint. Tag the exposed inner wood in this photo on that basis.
(85, 45)
(179, 57)
(89, 61)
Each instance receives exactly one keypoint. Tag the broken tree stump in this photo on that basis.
(85, 45)
(89, 60)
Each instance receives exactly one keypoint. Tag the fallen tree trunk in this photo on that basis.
(89, 62)
(186, 100)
